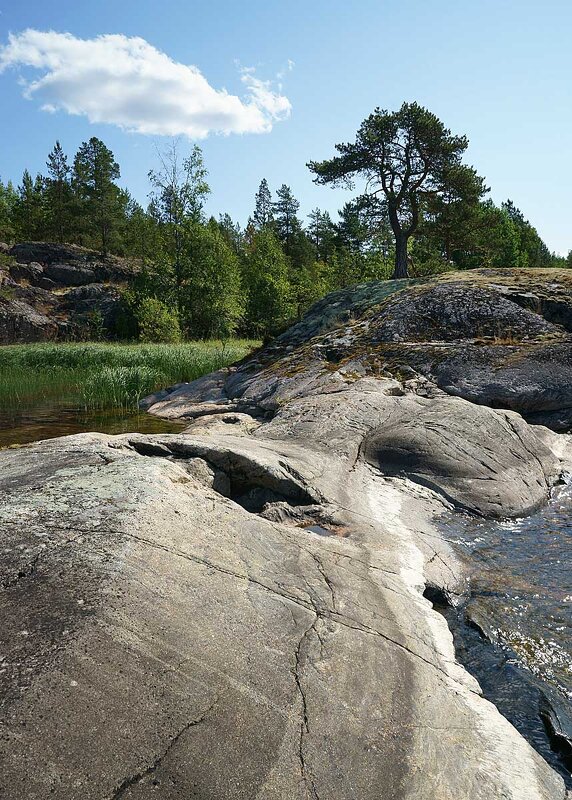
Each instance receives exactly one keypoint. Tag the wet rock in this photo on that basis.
(558, 721)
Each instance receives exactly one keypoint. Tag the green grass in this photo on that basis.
(97, 375)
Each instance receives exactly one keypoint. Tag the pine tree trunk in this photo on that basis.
(400, 270)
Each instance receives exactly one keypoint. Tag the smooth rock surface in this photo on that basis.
(159, 640)
(238, 611)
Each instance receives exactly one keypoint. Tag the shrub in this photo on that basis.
(156, 322)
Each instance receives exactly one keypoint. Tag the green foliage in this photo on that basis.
(156, 322)
(532, 252)
(407, 158)
(59, 198)
(263, 206)
(100, 202)
(98, 375)
(120, 387)
(29, 211)
(212, 300)
(422, 213)
(8, 202)
(285, 222)
(266, 271)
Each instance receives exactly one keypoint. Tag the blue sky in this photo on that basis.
(497, 71)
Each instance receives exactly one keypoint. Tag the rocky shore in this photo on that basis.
(241, 610)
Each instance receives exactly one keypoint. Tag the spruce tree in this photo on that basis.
(265, 277)
(286, 222)
(59, 198)
(29, 209)
(263, 214)
(8, 201)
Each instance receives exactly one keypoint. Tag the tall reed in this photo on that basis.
(98, 375)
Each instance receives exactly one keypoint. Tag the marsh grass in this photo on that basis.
(98, 376)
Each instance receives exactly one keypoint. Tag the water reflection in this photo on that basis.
(46, 420)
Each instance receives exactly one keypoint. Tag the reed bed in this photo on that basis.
(96, 375)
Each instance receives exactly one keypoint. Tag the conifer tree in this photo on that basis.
(59, 198)
(100, 201)
(263, 210)
(29, 209)
(286, 222)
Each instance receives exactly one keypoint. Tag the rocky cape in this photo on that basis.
(53, 291)
(239, 610)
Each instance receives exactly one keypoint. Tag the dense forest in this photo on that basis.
(207, 277)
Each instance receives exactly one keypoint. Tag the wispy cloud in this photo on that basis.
(125, 81)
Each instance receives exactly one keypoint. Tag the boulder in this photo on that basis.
(461, 333)
(96, 298)
(446, 312)
(31, 273)
(49, 253)
(70, 274)
(20, 322)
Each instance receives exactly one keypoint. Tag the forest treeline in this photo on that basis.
(207, 277)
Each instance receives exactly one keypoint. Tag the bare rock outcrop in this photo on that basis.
(238, 610)
(72, 288)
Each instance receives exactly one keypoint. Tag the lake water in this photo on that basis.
(48, 419)
(521, 600)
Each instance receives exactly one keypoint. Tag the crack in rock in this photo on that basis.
(137, 777)
(304, 723)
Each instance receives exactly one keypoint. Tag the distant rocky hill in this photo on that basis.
(53, 291)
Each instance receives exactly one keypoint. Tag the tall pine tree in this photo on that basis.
(101, 202)
(286, 221)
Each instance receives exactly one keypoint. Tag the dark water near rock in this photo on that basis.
(521, 603)
(48, 419)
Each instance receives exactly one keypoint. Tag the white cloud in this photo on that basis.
(127, 82)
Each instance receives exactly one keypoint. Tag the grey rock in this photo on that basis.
(70, 274)
(32, 273)
(453, 311)
(237, 611)
(20, 322)
(159, 639)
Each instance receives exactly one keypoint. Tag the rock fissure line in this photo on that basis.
(137, 777)
(334, 616)
(304, 722)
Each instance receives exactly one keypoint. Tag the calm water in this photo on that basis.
(48, 419)
(521, 598)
